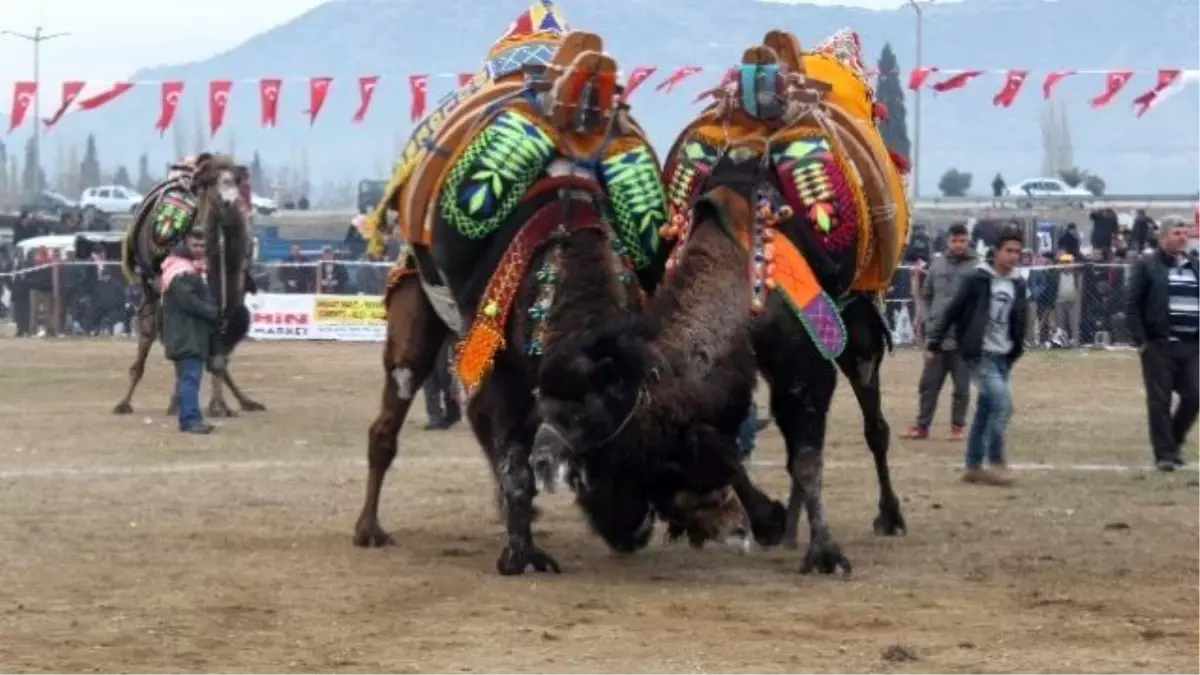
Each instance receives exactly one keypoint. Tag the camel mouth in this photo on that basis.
(718, 515)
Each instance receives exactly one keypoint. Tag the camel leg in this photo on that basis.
(217, 407)
(414, 337)
(245, 402)
(800, 401)
(860, 362)
(147, 327)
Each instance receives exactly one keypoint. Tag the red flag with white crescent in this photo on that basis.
(366, 90)
(678, 75)
(318, 89)
(728, 78)
(1052, 81)
(1114, 82)
(97, 100)
(956, 81)
(218, 102)
(636, 78)
(1166, 78)
(23, 93)
(918, 76)
(70, 92)
(1013, 81)
(268, 99)
(465, 78)
(417, 84)
(169, 103)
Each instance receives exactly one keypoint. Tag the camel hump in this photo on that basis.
(759, 55)
(787, 46)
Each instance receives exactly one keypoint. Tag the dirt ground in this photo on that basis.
(129, 547)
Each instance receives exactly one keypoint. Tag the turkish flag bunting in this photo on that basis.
(1052, 80)
(1013, 81)
(1166, 77)
(366, 89)
(168, 102)
(1114, 82)
(93, 102)
(636, 78)
(218, 101)
(465, 78)
(417, 84)
(268, 99)
(918, 76)
(23, 93)
(728, 78)
(957, 81)
(318, 89)
(70, 92)
(678, 75)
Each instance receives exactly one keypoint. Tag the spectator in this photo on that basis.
(998, 186)
(945, 276)
(1104, 229)
(988, 315)
(295, 273)
(372, 276)
(1143, 228)
(1163, 315)
(331, 274)
(189, 323)
(1069, 242)
(1066, 301)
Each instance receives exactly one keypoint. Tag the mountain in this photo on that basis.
(962, 129)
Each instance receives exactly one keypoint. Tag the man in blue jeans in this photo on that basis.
(988, 313)
(189, 322)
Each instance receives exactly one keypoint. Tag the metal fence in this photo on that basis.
(1070, 305)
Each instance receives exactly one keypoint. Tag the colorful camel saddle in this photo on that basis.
(811, 116)
(546, 97)
(543, 93)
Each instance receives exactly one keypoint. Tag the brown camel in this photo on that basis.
(229, 247)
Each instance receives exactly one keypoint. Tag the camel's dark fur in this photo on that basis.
(703, 369)
(228, 247)
(677, 381)
(503, 411)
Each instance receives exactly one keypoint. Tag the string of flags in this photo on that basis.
(1168, 81)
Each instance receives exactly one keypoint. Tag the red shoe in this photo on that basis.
(917, 433)
(956, 434)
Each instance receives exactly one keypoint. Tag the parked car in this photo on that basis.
(1045, 187)
(264, 206)
(110, 199)
(51, 204)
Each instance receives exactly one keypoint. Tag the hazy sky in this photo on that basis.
(110, 40)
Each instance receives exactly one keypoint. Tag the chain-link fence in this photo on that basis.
(1071, 305)
(73, 297)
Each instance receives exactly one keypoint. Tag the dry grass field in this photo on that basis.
(129, 547)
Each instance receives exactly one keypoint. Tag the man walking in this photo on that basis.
(942, 280)
(1162, 310)
(441, 403)
(988, 314)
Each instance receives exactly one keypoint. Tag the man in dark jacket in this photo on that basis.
(189, 322)
(1162, 310)
(944, 277)
(1143, 227)
(441, 403)
(989, 315)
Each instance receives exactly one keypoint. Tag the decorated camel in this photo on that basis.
(209, 193)
(530, 202)
(789, 160)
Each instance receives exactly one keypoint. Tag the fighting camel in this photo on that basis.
(542, 228)
(813, 199)
(211, 194)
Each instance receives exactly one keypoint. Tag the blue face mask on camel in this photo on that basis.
(759, 88)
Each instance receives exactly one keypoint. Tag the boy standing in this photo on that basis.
(989, 314)
(189, 320)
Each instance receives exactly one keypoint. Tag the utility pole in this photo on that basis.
(37, 39)
(916, 159)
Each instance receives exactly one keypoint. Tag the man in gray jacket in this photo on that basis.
(942, 280)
